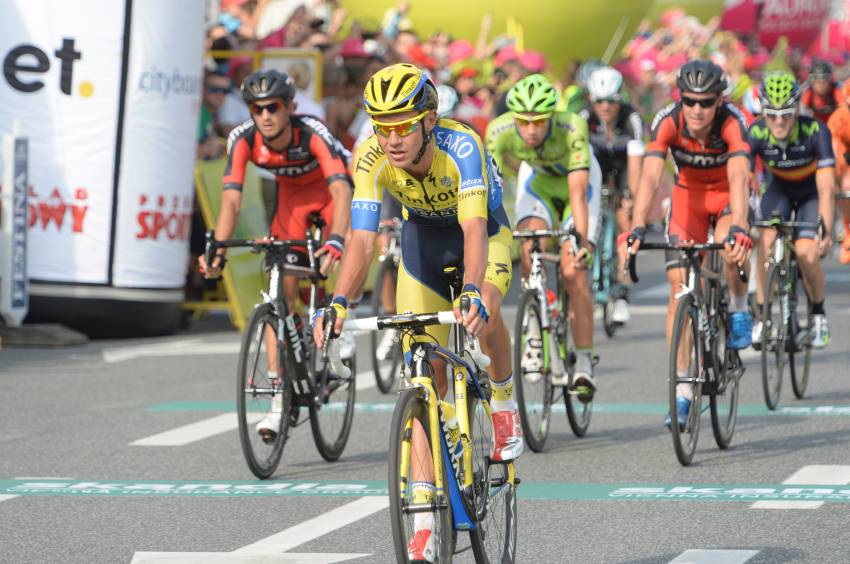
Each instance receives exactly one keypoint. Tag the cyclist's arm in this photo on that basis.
(475, 250)
(341, 194)
(578, 180)
(825, 176)
(738, 173)
(498, 135)
(634, 152)
(650, 179)
(238, 155)
(355, 264)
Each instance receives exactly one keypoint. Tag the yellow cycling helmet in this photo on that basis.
(399, 88)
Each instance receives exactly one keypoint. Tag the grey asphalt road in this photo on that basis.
(74, 489)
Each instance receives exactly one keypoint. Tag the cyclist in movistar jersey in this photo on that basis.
(799, 173)
(616, 135)
(558, 184)
(451, 197)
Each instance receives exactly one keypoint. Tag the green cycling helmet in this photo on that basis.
(532, 94)
(779, 90)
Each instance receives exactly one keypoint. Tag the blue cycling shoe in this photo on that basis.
(683, 407)
(742, 330)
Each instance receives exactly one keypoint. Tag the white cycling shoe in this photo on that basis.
(583, 381)
(269, 426)
(385, 347)
(621, 312)
(347, 345)
(820, 331)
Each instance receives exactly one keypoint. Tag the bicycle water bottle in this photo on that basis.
(553, 304)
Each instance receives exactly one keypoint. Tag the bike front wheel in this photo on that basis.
(800, 354)
(332, 412)
(773, 339)
(578, 412)
(494, 500)
(261, 396)
(723, 396)
(387, 367)
(533, 382)
(685, 368)
(411, 463)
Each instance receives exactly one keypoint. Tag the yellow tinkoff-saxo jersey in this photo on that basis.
(462, 183)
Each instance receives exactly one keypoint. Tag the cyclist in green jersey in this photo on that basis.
(558, 184)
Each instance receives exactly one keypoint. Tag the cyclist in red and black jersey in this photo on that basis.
(707, 139)
(823, 94)
(309, 163)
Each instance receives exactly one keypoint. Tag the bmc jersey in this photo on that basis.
(462, 182)
(564, 150)
(821, 107)
(313, 157)
(627, 137)
(793, 166)
(699, 166)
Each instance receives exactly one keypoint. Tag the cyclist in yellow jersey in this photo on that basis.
(451, 197)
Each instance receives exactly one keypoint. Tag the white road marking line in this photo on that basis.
(4, 497)
(693, 556)
(317, 526)
(834, 475)
(169, 348)
(229, 558)
(197, 431)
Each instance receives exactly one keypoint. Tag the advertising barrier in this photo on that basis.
(14, 294)
(110, 108)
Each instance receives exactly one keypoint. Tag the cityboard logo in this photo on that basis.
(168, 217)
(24, 62)
(155, 80)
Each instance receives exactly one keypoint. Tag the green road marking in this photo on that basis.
(745, 410)
(744, 493)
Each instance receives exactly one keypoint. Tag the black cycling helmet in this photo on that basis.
(265, 84)
(820, 70)
(701, 77)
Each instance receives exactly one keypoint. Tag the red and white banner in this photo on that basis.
(164, 83)
(61, 81)
(798, 20)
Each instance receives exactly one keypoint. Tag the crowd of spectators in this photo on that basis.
(480, 69)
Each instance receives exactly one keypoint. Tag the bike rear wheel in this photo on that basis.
(800, 355)
(723, 394)
(533, 382)
(258, 396)
(494, 501)
(386, 370)
(332, 414)
(407, 465)
(685, 347)
(773, 339)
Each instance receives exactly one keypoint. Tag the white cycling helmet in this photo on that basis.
(448, 99)
(605, 84)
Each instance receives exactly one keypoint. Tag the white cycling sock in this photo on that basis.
(684, 390)
(423, 492)
(739, 303)
(502, 398)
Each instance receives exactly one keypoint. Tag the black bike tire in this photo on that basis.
(331, 448)
(384, 377)
(411, 404)
(484, 529)
(685, 311)
(578, 413)
(772, 393)
(535, 440)
(606, 278)
(725, 369)
(800, 382)
(262, 469)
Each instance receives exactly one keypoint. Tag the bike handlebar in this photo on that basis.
(690, 250)
(262, 244)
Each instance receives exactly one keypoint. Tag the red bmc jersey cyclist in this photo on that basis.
(313, 160)
(702, 182)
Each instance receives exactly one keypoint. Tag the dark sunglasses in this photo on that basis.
(691, 102)
(258, 109)
(606, 101)
(217, 89)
